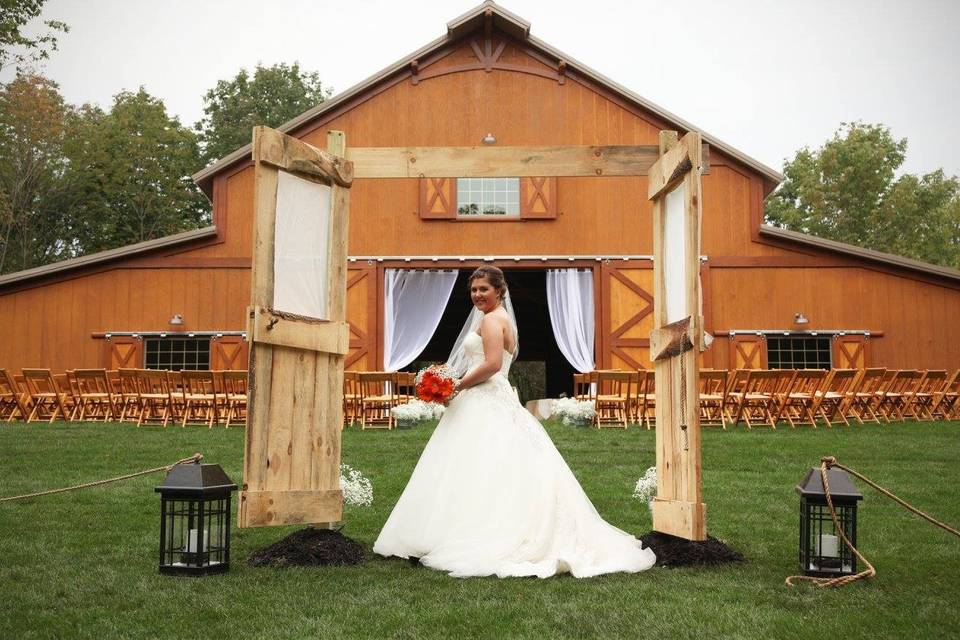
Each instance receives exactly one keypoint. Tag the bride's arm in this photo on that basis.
(491, 330)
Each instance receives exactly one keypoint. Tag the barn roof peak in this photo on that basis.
(488, 15)
(497, 16)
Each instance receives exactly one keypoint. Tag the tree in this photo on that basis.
(129, 174)
(33, 129)
(273, 96)
(847, 191)
(21, 50)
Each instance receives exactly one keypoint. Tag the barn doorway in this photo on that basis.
(541, 370)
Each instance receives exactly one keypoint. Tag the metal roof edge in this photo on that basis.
(859, 252)
(108, 255)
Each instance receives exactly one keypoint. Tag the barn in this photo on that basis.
(772, 298)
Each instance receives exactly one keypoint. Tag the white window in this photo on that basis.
(488, 197)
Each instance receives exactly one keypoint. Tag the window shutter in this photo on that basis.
(228, 352)
(748, 351)
(123, 352)
(438, 198)
(538, 198)
(850, 351)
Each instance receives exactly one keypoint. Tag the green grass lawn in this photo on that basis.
(84, 564)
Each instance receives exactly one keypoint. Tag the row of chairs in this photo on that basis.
(759, 397)
(144, 396)
(370, 396)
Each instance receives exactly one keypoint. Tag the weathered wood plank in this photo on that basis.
(462, 162)
(287, 153)
(328, 337)
(678, 509)
(673, 167)
(682, 519)
(275, 508)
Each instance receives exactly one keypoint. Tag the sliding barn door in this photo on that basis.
(626, 316)
(298, 332)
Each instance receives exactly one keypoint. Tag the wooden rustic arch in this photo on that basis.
(301, 458)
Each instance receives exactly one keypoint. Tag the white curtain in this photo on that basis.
(413, 304)
(570, 300)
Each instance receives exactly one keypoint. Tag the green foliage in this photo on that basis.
(33, 129)
(84, 564)
(17, 48)
(847, 190)
(271, 97)
(129, 174)
(80, 180)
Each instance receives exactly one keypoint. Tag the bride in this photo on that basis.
(491, 494)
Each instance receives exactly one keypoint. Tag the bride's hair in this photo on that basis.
(493, 275)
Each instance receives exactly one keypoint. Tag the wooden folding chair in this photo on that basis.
(14, 403)
(863, 396)
(45, 395)
(95, 399)
(581, 386)
(897, 393)
(637, 381)
(351, 397)
(759, 400)
(153, 391)
(713, 397)
(200, 399)
(129, 400)
(378, 395)
(234, 395)
(647, 413)
(919, 402)
(611, 398)
(406, 386)
(833, 397)
(946, 406)
(737, 381)
(799, 402)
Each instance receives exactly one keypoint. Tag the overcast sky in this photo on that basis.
(767, 77)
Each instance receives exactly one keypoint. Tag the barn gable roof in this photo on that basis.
(514, 26)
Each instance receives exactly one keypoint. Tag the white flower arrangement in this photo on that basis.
(357, 489)
(573, 412)
(410, 413)
(646, 487)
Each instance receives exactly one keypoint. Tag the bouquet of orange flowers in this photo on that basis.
(436, 383)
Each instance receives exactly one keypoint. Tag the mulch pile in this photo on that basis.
(672, 551)
(309, 548)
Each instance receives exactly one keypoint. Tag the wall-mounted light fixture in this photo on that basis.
(176, 320)
(799, 318)
(489, 139)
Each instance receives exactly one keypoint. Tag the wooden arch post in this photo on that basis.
(298, 331)
(677, 336)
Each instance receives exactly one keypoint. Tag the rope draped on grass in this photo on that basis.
(197, 457)
(827, 583)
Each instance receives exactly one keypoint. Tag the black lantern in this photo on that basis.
(195, 520)
(822, 550)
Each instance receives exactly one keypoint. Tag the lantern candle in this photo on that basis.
(828, 546)
(193, 539)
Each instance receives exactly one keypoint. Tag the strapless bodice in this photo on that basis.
(473, 347)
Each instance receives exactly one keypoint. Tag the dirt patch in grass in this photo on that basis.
(309, 548)
(672, 551)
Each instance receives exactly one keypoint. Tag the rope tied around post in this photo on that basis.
(195, 458)
(826, 463)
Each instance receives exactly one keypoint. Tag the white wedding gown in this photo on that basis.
(491, 495)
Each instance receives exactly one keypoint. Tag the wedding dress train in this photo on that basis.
(491, 495)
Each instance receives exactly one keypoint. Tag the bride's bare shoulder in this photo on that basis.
(497, 319)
